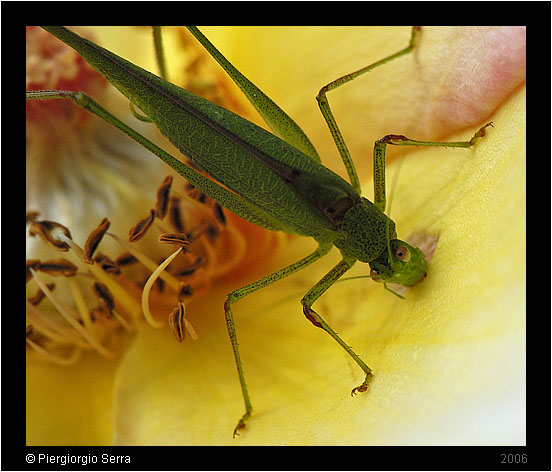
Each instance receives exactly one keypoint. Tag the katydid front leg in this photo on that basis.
(399, 140)
(324, 105)
(313, 294)
(379, 148)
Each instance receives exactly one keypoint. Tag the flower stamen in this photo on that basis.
(126, 299)
(80, 303)
(64, 361)
(176, 322)
(146, 261)
(175, 214)
(51, 232)
(98, 297)
(70, 317)
(139, 230)
(94, 239)
(51, 328)
(39, 295)
(58, 267)
(162, 205)
(149, 284)
(180, 239)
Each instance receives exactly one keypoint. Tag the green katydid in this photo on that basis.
(298, 194)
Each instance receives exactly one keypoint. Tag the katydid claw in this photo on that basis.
(241, 424)
(480, 133)
(364, 385)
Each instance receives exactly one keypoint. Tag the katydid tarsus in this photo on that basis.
(298, 194)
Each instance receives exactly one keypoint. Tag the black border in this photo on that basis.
(536, 15)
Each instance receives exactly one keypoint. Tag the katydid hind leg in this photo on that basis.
(276, 118)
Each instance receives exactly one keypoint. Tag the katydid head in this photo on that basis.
(400, 264)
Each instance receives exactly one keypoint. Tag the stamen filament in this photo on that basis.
(149, 284)
(52, 328)
(122, 296)
(191, 330)
(64, 361)
(70, 318)
(146, 261)
(81, 305)
(122, 320)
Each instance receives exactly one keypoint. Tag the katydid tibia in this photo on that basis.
(298, 194)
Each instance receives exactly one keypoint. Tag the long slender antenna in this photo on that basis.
(390, 202)
(394, 184)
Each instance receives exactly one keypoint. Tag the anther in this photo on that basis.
(175, 214)
(105, 297)
(31, 216)
(58, 267)
(180, 239)
(111, 267)
(39, 295)
(196, 232)
(184, 291)
(139, 230)
(31, 264)
(47, 230)
(94, 239)
(125, 259)
(176, 322)
(219, 214)
(162, 204)
(212, 232)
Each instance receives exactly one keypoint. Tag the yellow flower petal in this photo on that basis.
(454, 80)
(70, 405)
(449, 359)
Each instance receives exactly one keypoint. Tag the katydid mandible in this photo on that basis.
(298, 196)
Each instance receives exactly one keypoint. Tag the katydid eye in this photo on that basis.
(374, 275)
(402, 254)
